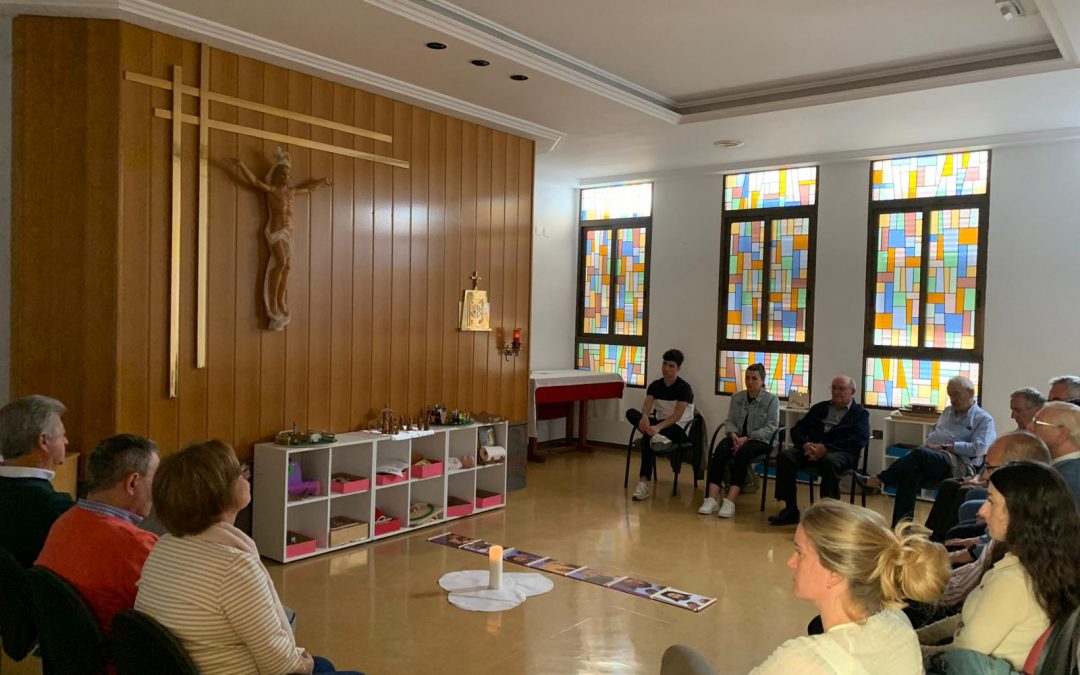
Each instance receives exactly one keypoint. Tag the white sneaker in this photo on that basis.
(728, 509)
(642, 491)
(709, 507)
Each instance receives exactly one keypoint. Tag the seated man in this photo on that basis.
(954, 449)
(98, 545)
(954, 492)
(32, 444)
(830, 438)
(1064, 388)
(1058, 425)
(668, 409)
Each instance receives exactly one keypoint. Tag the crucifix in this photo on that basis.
(475, 279)
(204, 123)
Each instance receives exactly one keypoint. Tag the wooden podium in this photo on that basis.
(552, 394)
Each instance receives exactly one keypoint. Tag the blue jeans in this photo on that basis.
(324, 666)
(910, 472)
(967, 662)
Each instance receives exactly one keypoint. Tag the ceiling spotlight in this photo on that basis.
(519, 78)
(435, 45)
(728, 143)
(480, 63)
(1010, 9)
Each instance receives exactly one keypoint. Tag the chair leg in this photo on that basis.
(811, 490)
(675, 478)
(765, 479)
(852, 498)
(626, 475)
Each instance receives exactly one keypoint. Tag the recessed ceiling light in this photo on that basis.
(435, 45)
(519, 78)
(480, 62)
(727, 143)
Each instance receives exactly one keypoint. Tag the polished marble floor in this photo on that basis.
(378, 607)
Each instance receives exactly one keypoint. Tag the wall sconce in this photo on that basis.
(511, 350)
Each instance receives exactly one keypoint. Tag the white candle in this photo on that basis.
(495, 561)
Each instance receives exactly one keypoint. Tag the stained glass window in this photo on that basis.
(899, 274)
(783, 372)
(928, 233)
(767, 294)
(613, 311)
(950, 175)
(627, 360)
(896, 383)
(789, 275)
(629, 262)
(745, 264)
(951, 282)
(597, 281)
(617, 201)
(770, 189)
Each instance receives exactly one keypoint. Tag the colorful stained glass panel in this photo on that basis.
(745, 267)
(899, 278)
(952, 273)
(949, 175)
(617, 201)
(770, 189)
(630, 281)
(784, 372)
(789, 274)
(596, 312)
(898, 383)
(625, 360)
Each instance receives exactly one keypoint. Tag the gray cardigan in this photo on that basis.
(764, 417)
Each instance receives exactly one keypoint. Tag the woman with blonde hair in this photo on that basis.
(857, 572)
(204, 580)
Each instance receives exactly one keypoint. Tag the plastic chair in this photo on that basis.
(142, 645)
(776, 443)
(17, 631)
(71, 639)
(675, 452)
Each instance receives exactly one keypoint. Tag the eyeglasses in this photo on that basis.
(1045, 424)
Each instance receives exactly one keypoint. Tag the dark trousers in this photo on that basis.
(908, 474)
(674, 433)
(324, 666)
(829, 469)
(944, 514)
(740, 463)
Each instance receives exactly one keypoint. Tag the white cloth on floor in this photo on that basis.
(469, 589)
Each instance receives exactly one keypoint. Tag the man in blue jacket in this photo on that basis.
(830, 439)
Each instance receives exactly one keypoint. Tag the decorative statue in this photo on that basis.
(278, 231)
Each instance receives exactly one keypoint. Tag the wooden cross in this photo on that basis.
(475, 279)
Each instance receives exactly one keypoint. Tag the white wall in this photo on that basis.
(1032, 316)
(5, 208)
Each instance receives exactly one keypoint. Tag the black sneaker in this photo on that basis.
(787, 516)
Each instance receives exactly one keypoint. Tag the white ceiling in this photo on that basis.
(612, 82)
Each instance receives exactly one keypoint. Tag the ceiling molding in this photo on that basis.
(464, 25)
(154, 16)
(861, 154)
(1062, 19)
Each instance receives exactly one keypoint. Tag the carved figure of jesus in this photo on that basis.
(278, 231)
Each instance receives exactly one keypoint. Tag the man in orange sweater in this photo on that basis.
(98, 546)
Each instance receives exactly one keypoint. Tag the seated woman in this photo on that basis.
(856, 570)
(1036, 583)
(753, 417)
(204, 581)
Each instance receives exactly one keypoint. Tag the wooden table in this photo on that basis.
(552, 394)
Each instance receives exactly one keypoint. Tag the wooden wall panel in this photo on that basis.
(380, 258)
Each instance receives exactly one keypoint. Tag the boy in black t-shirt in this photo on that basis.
(668, 410)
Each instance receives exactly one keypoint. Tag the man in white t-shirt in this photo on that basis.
(668, 410)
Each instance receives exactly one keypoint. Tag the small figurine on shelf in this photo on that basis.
(299, 488)
(386, 419)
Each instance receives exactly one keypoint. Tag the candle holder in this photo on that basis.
(513, 349)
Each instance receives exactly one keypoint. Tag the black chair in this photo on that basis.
(1059, 655)
(17, 631)
(142, 645)
(861, 468)
(776, 444)
(692, 448)
(71, 639)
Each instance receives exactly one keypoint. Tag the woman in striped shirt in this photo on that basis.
(204, 580)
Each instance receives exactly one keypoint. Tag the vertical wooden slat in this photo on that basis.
(400, 256)
(381, 332)
(437, 305)
(363, 211)
(418, 261)
(496, 263)
(452, 265)
(320, 265)
(467, 341)
(222, 259)
(480, 394)
(511, 223)
(297, 333)
(342, 246)
(524, 276)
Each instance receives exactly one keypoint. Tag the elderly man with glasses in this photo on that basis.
(1058, 425)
